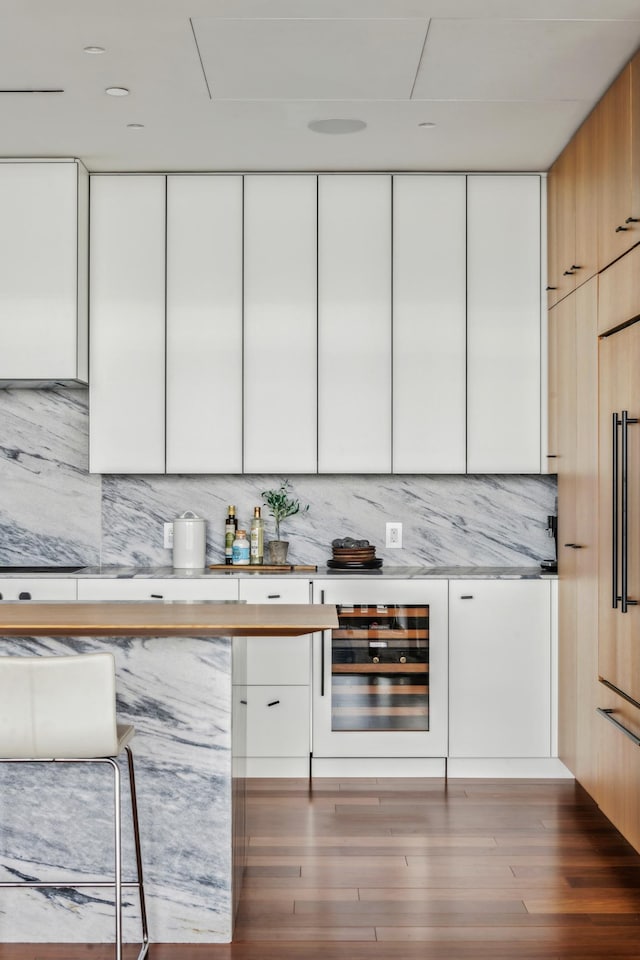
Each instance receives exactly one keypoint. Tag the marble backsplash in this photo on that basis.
(53, 511)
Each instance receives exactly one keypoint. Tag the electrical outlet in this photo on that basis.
(168, 535)
(394, 535)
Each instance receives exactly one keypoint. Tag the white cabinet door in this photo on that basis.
(277, 660)
(280, 324)
(503, 324)
(159, 589)
(43, 313)
(429, 324)
(41, 589)
(354, 324)
(204, 324)
(499, 668)
(127, 307)
(278, 722)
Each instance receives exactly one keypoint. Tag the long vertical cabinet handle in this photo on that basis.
(626, 602)
(614, 515)
(322, 638)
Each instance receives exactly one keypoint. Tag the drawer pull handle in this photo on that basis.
(25, 595)
(621, 229)
(273, 596)
(157, 596)
(552, 288)
(607, 714)
(244, 701)
(568, 273)
(1, 597)
(632, 220)
(273, 703)
(466, 596)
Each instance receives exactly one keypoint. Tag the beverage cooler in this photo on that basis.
(380, 679)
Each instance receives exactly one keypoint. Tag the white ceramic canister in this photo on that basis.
(189, 541)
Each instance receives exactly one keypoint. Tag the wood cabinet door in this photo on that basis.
(553, 376)
(127, 308)
(429, 324)
(354, 324)
(615, 235)
(619, 651)
(499, 668)
(204, 324)
(618, 768)
(503, 324)
(586, 530)
(280, 324)
(565, 191)
(587, 177)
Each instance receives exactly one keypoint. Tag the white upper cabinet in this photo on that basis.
(280, 324)
(127, 375)
(43, 271)
(354, 324)
(429, 324)
(503, 324)
(204, 324)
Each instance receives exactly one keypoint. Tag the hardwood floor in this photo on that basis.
(408, 869)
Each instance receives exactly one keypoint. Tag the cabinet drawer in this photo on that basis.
(222, 589)
(619, 292)
(278, 721)
(274, 591)
(279, 660)
(42, 590)
(618, 764)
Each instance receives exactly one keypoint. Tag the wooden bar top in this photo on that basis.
(164, 619)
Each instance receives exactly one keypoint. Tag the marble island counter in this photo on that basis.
(181, 681)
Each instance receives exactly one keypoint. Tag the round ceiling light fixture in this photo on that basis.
(135, 126)
(337, 125)
(117, 91)
(427, 123)
(93, 49)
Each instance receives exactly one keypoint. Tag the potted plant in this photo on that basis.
(281, 505)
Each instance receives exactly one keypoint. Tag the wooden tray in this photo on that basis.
(264, 567)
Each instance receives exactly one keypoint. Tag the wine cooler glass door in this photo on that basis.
(380, 683)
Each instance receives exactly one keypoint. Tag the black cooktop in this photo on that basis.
(39, 568)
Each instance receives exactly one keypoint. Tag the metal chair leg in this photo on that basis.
(136, 836)
(117, 844)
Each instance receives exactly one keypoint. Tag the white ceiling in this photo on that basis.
(232, 84)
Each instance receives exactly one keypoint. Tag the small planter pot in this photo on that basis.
(277, 551)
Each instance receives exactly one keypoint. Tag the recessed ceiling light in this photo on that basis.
(93, 49)
(336, 125)
(426, 123)
(135, 126)
(117, 91)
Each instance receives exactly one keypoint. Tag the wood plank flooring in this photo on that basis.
(421, 870)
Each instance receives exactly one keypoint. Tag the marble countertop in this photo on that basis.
(386, 572)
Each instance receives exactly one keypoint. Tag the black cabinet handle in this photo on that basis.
(273, 703)
(568, 273)
(1, 597)
(632, 220)
(624, 511)
(273, 596)
(244, 702)
(552, 288)
(607, 714)
(25, 595)
(466, 596)
(569, 544)
(621, 229)
(552, 456)
(574, 266)
(157, 596)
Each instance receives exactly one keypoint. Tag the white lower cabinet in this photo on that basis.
(278, 688)
(500, 675)
(40, 589)
(161, 589)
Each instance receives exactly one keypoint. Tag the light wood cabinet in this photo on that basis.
(617, 731)
(429, 324)
(587, 178)
(503, 324)
(280, 324)
(619, 651)
(619, 292)
(354, 324)
(619, 164)
(127, 308)
(561, 217)
(43, 271)
(204, 324)
(499, 669)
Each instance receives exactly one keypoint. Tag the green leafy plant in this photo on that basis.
(281, 505)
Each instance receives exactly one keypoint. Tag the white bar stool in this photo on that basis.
(63, 710)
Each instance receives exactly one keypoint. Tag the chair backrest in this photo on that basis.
(58, 707)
